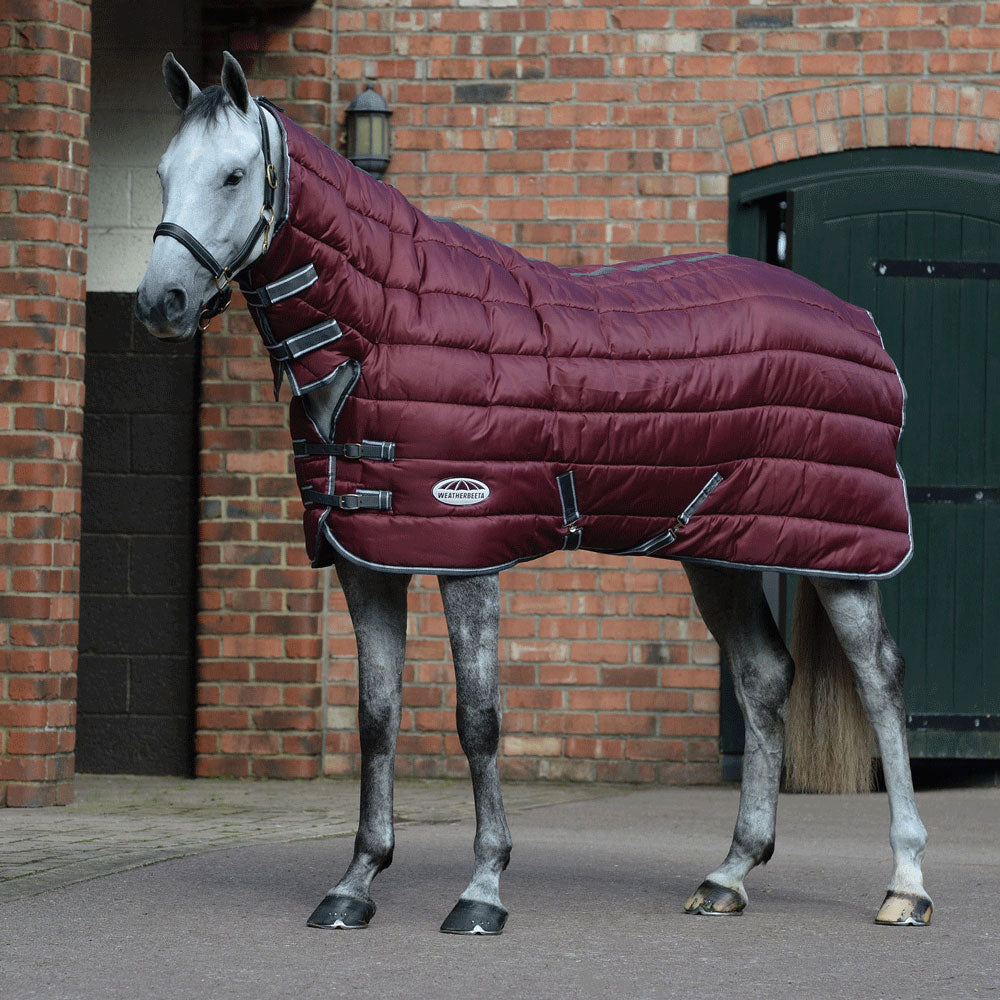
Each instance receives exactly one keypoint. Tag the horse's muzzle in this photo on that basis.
(166, 316)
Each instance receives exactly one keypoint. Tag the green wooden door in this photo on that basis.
(914, 237)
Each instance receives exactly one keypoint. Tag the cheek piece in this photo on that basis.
(223, 274)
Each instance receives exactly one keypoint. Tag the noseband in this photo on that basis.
(223, 275)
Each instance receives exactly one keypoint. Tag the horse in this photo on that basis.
(848, 671)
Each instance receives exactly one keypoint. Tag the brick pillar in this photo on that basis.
(259, 646)
(45, 100)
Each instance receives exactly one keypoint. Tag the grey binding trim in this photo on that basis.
(377, 451)
(361, 500)
(619, 269)
(308, 340)
(570, 510)
(293, 283)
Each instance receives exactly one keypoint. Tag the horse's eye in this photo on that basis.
(234, 178)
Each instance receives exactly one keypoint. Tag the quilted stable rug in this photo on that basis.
(495, 408)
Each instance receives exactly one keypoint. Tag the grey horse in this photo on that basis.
(848, 670)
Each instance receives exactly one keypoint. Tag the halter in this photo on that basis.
(223, 275)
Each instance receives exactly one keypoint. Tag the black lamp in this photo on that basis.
(368, 132)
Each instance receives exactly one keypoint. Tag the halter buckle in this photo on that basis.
(225, 277)
(271, 175)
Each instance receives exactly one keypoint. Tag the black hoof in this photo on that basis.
(713, 900)
(346, 912)
(470, 916)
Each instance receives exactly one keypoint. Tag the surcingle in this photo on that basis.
(495, 408)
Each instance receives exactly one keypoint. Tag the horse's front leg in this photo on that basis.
(472, 609)
(377, 603)
(733, 606)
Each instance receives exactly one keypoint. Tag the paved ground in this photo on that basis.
(595, 890)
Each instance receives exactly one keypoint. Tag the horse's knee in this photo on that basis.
(479, 729)
(378, 723)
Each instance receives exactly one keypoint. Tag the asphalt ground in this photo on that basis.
(159, 888)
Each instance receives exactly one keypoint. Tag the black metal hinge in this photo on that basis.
(984, 722)
(954, 494)
(920, 268)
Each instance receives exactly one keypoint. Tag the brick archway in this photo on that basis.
(861, 116)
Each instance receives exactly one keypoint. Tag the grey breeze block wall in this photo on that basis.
(137, 605)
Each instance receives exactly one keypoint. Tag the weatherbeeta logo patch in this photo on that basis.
(460, 491)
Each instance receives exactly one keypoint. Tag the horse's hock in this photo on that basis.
(623, 146)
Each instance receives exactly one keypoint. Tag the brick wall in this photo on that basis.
(44, 97)
(579, 135)
(259, 642)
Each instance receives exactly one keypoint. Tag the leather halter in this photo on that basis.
(223, 274)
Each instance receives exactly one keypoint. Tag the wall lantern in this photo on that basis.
(368, 132)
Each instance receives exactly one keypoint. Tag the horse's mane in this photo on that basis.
(209, 105)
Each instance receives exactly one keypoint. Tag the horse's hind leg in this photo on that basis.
(854, 611)
(472, 610)
(377, 603)
(733, 606)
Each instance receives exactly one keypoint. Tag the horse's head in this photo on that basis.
(216, 206)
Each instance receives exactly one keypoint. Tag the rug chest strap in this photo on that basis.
(362, 500)
(308, 340)
(377, 451)
(293, 283)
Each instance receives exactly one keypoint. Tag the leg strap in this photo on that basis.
(571, 514)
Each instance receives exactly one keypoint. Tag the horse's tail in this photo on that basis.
(829, 744)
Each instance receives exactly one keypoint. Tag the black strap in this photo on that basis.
(287, 285)
(689, 511)
(377, 451)
(362, 500)
(200, 253)
(567, 497)
(571, 514)
(663, 539)
(308, 340)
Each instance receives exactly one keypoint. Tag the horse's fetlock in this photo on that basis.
(377, 851)
(494, 846)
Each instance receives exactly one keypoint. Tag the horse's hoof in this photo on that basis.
(342, 912)
(901, 909)
(471, 916)
(713, 900)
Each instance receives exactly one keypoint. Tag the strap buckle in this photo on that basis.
(271, 175)
(267, 215)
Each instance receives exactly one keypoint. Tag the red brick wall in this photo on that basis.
(579, 135)
(44, 105)
(259, 642)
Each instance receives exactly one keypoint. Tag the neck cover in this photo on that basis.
(699, 407)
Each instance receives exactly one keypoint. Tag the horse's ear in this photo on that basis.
(235, 83)
(182, 88)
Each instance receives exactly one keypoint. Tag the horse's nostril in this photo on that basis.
(175, 303)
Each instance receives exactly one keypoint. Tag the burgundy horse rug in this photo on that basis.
(494, 408)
